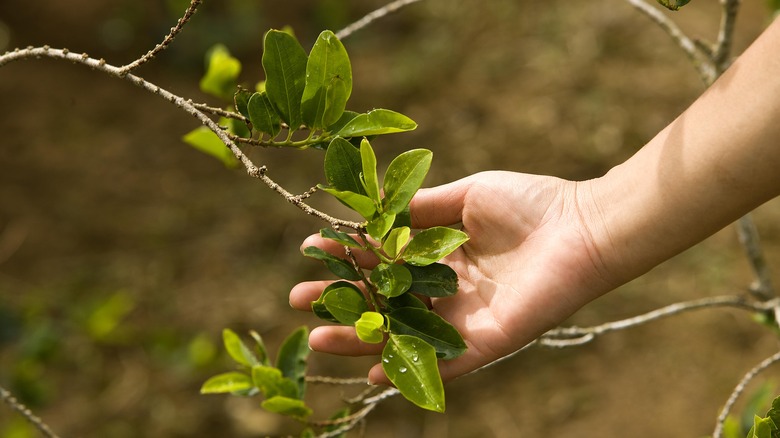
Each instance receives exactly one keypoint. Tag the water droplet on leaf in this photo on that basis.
(402, 370)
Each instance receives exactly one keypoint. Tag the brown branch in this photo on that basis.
(373, 16)
(721, 54)
(219, 112)
(748, 237)
(17, 406)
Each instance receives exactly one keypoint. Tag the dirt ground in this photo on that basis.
(123, 252)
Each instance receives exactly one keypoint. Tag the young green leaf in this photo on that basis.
(360, 203)
(291, 359)
(203, 139)
(287, 406)
(270, 382)
(262, 352)
(762, 428)
(263, 116)
(222, 72)
(345, 304)
(429, 327)
(377, 122)
(431, 245)
(434, 280)
(410, 364)
(380, 224)
(342, 167)
(328, 82)
(318, 307)
(338, 266)
(395, 241)
(404, 176)
(369, 327)
(241, 100)
(284, 62)
(370, 178)
(391, 280)
(340, 237)
(227, 382)
(237, 349)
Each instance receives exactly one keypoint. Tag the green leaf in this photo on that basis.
(429, 327)
(284, 62)
(203, 139)
(395, 241)
(328, 82)
(434, 280)
(369, 327)
(237, 350)
(360, 203)
(262, 352)
(309, 433)
(370, 179)
(379, 225)
(340, 237)
(377, 122)
(342, 413)
(241, 100)
(406, 300)
(270, 382)
(403, 219)
(222, 72)
(342, 121)
(227, 382)
(410, 364)
(391, 280)
(404, 177)
(345, 304)
(342, 167)
(673, 5)
(287, 406)
(338, 266)
(318, 307)
(762, 428)
(263, 116)
(291, 359)
(431, 245)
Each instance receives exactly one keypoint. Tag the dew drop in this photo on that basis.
(386, 360)
(415, 358)
(402, 370)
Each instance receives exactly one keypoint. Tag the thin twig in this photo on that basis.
(337, 380)
(372, 16)
(766, 363)
(17, 406)
(220, 112)
(722, 52)
(191, 9)
(748, 237)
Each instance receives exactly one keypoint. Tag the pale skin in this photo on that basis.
(550, 246)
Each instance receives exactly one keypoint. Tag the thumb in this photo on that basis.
(442, 205)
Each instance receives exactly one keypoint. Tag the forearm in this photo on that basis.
(717, 161)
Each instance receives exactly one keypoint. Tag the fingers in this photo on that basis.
(341, 340)
(442, 205)
(303, 294)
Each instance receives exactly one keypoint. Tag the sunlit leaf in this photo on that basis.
(429, 327)
(369, 327)
(291, 359)
(345, 304)
(270, 382)
(318, 307)
(377, 122)
(396, 241)
(203, 139)
(403, 178)
(262, 352)
(342, 167)
(370, 178)
(434, 280)
(226, 383)
(222, 72)
(391, 280)
(287, 406)
(411, 365)
(284, 62)
(328, 82)
(380, 224)
(237, 349)
(263, 116)
(338, 266)
(431, 245)
(360, 203)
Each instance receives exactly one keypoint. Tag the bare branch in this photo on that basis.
(372, 16)
(748, 237)
(219, 112)
(722, 52)
(17, 406)
(750, 375)
(336, 380)
(191, 9)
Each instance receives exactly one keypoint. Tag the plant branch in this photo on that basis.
(721, 54)
(220, 112)
(373, 16)
(17, 406)
(191, 9)
(748, 237)
(750, 375)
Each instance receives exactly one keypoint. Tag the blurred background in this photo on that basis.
(124, 252)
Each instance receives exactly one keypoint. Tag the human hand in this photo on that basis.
(529, 264)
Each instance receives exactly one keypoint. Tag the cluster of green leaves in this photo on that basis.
(769, 425)
(283, 385)
(388, 307)
(304, 93)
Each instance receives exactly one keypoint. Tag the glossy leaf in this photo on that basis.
(369, 327)
(429, 327)
(263, 115)
(284, 62)
(404, 176)
(237, 349)
(395, 241)
(434, 280)
(411, 365)
(262, 352)
(377, 122)
(379, 225)
(287, 406)
(360, 203)
(204, 140)
(431, 245)
(405, 300)
(370, 179)
(340, 237)
(318, 307)
(270, 382)
(227, 382)
(241, 100)
(345, 118)
(291, 359)
(345, 304)
(391, 280)
(342, 167)
(338, 266)
(328, 82)
(222, 72)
